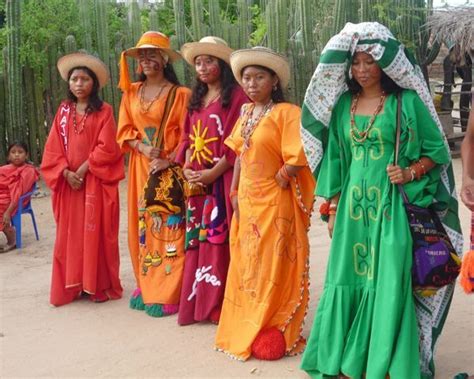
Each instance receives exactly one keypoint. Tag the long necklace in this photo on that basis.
(146, 105)
(250, 123)
(79, 128)
(356, 134)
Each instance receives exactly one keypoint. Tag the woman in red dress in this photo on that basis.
(82, 164)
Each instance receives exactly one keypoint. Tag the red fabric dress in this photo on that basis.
(208, 216)
(14, 182)
(86, 253)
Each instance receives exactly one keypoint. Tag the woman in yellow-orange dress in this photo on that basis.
(266, 293)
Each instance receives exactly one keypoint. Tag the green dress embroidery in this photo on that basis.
(366, 321)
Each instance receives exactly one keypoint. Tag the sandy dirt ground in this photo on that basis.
(83, 339)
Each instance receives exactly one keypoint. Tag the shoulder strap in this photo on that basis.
(397, 143)
(399, 116)
(166, 112)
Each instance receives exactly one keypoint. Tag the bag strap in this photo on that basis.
(397, 143)
(166, 112)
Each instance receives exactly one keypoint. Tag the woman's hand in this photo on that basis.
(282, 182)
(149, 151)
(398, 175)
(331, 221)
(7, 219)
(202, 177)
(159, 165)
(74, 180)
(235, 206)
(467, 192)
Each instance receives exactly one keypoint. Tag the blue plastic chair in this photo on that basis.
(22, 209)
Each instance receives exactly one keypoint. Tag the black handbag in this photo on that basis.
(435, 261)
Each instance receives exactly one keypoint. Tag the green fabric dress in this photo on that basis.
(365, 321)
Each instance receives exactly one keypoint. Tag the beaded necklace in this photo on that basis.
(146, 105)
(79, 128)
(250, 124)
(356, 134)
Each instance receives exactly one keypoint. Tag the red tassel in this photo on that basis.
(467, 272)
(269, 345)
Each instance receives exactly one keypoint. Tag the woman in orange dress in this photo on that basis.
(151, 135)
(266, 294)
(82, 165)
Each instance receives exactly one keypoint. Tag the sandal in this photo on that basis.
(7, 248)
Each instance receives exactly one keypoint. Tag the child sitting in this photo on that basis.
(16, 178)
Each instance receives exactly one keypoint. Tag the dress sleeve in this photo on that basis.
(126, 129)
(184, 142)
(330, 176)
(291, 147)
(106, 160)
(54, 160)
(28, 176)
(421, 137)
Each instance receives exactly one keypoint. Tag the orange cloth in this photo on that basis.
(131, 126)
(267, 283)
(14, 182)
(86, 252)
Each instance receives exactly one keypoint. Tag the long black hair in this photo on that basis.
(94, 102)
(200, 89)
(168, 72)
(277, 94)
(388, 85)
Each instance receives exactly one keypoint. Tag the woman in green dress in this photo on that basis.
(369, 323)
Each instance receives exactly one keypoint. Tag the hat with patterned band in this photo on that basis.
(68, 62)
(149, 40)
(260, 56)
(209, 45)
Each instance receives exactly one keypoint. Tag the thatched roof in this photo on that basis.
(453, 25)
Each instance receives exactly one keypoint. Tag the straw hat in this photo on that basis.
(70, 61)
(260, 56)
(154, 40)
(149, 40)
(209, 45)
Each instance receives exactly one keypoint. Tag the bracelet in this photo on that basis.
(233, 193)
(332, 212)
(412, 173)
(332, 206)
(422, 166)
(284, 173)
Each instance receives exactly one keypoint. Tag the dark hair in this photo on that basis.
(277, 93)
(94, 102)
(200, 89)
(388, 85)
(17, 144)
(168, 72)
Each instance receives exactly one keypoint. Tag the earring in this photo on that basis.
(274, 88)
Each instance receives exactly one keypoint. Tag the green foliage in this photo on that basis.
(41, 27)
(259, 26)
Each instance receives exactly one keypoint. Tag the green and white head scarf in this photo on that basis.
(327, 85)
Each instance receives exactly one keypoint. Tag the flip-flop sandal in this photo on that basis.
(7, 248)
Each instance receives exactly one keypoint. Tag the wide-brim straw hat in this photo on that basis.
(149, 40)
(209, 45)
(154, 40)
(260, 56)
(70, 61)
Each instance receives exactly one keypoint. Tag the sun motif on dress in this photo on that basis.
(201, 151)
